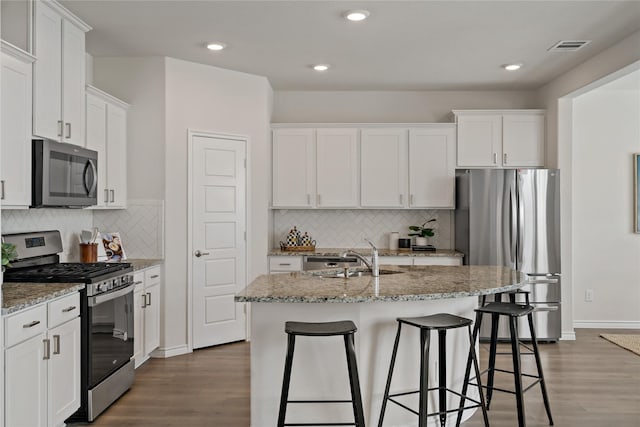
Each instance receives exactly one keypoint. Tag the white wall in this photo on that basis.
(212, 99)
(389, 106)
(556, 98)
(141, 83)
(606, 252)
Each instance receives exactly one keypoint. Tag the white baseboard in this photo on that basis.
(164, 353)
(568, 336)
(607, 324)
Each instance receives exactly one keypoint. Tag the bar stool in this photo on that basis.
(324, 329)
(440, 322)
(513, 311)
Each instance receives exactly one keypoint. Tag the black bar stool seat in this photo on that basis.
(440, 322)
(513, 311)
(322, 329)
(345, 328)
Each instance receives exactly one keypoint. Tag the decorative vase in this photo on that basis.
(421, 241)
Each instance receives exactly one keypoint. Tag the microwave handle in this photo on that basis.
(93, 184)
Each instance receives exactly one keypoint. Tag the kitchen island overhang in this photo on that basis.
(319, 369)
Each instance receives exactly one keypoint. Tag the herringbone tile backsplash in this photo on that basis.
(140, 225)
(69, 221)
(346, 228)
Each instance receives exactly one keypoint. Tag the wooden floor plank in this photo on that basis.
(591, 383)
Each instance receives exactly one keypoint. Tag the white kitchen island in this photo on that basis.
(319, 365)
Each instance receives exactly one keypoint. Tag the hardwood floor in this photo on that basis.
(591, 383)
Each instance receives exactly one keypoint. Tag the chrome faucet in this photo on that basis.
(372, 265)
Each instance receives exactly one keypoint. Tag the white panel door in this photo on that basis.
(432, 167)
(337, 173)
(218, 252)
(73, 82)
(383, 168)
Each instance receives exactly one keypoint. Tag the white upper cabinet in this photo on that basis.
(432, 166)
(15, 125)
(383, 168)
(500, 139)
(59, 73)
(523, 137)
(106, 129)
(294, 168)
(337, 173)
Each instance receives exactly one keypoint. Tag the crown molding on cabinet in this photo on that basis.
(106, 97)
(16, 52)
(67, 14)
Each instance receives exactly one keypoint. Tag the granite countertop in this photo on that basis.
(410, 283)
(16, 296)
(141, 264)
(366, 252)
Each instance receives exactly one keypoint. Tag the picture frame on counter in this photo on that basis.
(636, 193)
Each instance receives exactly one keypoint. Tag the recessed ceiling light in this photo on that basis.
(512, 67)
(216, 46)
(356, 15)
(321, 67)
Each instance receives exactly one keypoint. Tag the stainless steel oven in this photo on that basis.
(63, 175)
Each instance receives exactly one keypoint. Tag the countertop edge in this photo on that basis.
(27, 302)
(383, 252)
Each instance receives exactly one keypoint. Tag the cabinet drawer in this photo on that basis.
(285, 263)
(25, 324)
(396, 260)
(63, 309)
(138, 280)
(152, 276)
(437, 260)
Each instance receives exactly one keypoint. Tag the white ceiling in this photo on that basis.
(404, 45)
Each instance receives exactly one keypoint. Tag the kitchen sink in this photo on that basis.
(335, 274)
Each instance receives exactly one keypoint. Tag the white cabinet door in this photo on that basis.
(293, 168)
(337, 172)
(138, 318)
(285, 264)
(96, 128)
(117, 155)
(73, 81)
(15, 139)
(25, 383)
(47, 72)
(383, 168)
(64, 372)
(523, 140)
(479, 140)
(152, 280)
(432, 167)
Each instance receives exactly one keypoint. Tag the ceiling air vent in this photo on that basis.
(568, 45)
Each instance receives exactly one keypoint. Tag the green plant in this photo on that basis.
(421, 230)
(8, 254)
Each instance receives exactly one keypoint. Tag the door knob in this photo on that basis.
(199, 254)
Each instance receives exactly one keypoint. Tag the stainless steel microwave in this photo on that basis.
(63, 175)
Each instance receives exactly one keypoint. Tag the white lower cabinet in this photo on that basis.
(146, 301)
(285, 264)
(42, 364)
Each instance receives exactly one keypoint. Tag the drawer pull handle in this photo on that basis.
(156, 276)
(148, 301)
(68, 309)
(285, 263)
(56, 344)
(32, 324)
(138, 282)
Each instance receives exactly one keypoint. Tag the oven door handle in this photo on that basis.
(99, 299)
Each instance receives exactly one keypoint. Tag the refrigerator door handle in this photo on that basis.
(547, 308)
(513, 219)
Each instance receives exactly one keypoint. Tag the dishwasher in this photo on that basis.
(320, 262)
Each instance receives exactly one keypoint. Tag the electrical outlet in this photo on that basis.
(588, 295)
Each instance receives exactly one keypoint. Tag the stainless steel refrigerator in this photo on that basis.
(511, 217)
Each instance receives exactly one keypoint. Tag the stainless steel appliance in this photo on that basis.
(511, 217)
(106, 311)
(319, 262)
(63, 175)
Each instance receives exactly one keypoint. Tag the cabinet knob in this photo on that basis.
(495, 158)
(504, 158)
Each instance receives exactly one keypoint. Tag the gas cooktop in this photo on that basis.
(66, 272)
